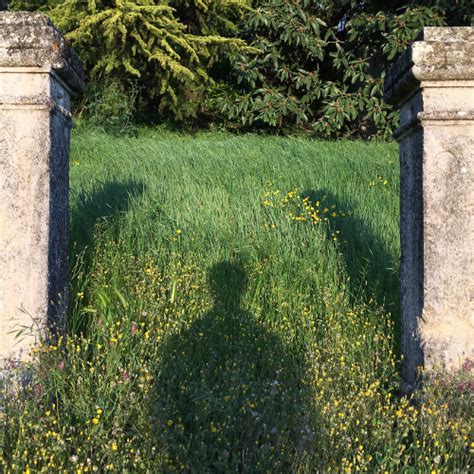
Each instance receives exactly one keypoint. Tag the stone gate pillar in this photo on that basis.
(38, 74)
(433, 86)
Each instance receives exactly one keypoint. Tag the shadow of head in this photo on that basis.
(370, 266)
(227, 281)
(105, 201)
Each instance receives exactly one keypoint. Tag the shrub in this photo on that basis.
(321, 64)
(110, 106)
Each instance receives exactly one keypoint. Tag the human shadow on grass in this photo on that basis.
(227, 396)
(99, 206)
(372, 270)
(104, 202)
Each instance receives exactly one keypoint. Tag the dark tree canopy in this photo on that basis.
(322, 64)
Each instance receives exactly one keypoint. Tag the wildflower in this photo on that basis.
(95, 421)
(114, 446)
(61, 365)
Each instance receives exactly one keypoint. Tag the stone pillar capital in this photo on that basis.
(439, 54)
(30, 40)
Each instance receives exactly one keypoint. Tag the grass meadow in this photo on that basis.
(233, 308)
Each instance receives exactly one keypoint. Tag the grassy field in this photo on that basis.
(233, 309)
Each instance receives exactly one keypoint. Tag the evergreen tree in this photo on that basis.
(164, 48)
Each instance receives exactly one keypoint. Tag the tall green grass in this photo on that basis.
(212, 187)
(233, 307)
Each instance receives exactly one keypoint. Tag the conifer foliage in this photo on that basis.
(31, 5)
(164, 48)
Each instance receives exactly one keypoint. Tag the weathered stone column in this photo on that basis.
(38, 74)
(433, 85)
